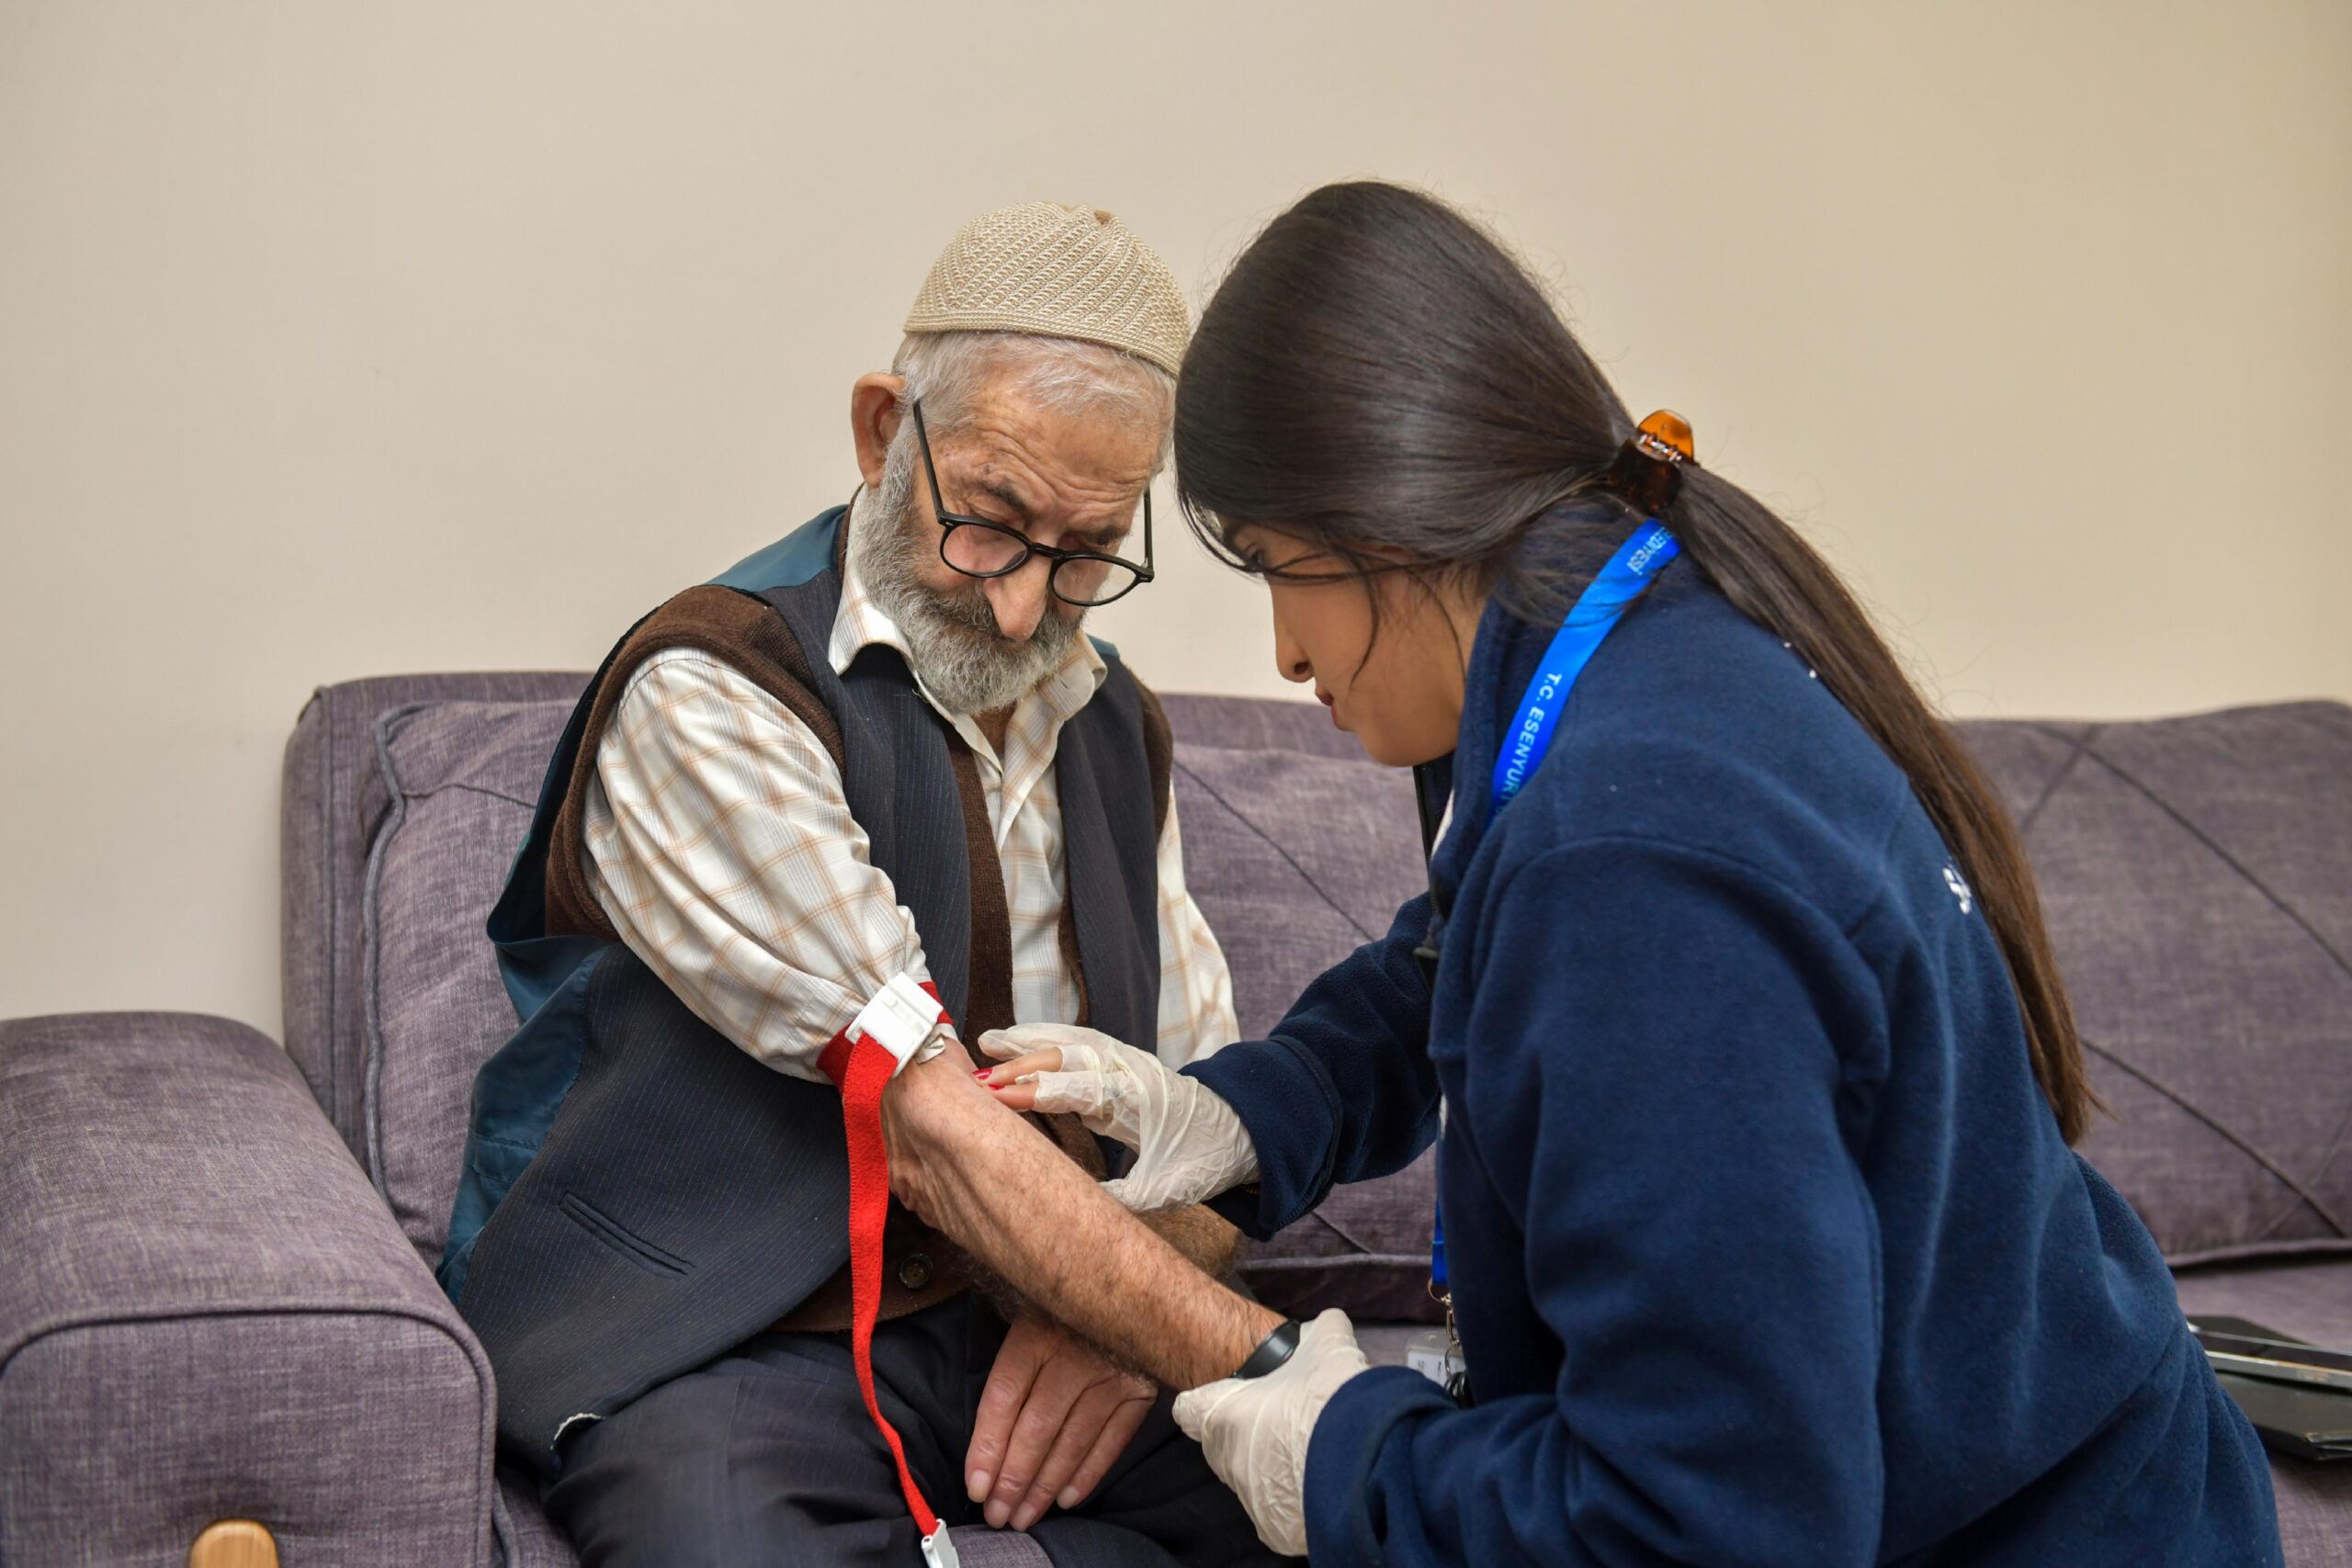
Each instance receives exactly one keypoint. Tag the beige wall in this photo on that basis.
(344, 339)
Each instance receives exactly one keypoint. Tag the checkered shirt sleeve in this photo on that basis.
(720, 845)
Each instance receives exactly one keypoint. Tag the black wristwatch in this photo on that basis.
(1271, 1351)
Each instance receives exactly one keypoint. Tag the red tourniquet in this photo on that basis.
(861, 1069)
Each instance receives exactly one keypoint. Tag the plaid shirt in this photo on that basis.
(719, 844)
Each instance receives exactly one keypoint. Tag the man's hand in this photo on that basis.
(1053, 1419)
(955, 1155)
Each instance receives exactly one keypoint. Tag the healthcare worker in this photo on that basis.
(1731, 1008)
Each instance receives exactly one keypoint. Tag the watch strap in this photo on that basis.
(1271, 1351)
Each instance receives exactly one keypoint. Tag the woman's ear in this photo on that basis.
(874, 420)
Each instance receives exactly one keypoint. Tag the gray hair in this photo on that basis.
(946, 370)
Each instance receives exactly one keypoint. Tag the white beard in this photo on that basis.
(952, 639)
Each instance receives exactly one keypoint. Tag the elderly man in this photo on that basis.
(814, 825)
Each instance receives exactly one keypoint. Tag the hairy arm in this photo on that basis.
(973, 1170)
(1204, 1239)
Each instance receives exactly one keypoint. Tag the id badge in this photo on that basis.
(1434, 1355)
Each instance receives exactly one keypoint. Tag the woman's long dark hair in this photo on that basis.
(1379, 379)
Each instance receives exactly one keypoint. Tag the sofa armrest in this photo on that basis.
(206, 1313)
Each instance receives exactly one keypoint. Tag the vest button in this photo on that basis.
(914, 1271)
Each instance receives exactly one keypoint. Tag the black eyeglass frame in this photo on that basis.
(951, 520)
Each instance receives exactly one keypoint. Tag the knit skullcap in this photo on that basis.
(1056, 271)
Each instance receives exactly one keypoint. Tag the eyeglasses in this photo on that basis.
(977, 547)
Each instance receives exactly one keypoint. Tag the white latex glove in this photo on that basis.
(1189, 1144)
(1254, 1431)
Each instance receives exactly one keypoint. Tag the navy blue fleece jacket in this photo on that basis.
(1764, 1244)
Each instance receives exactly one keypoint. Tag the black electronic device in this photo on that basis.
(2249, 1350)
(2298, 1395)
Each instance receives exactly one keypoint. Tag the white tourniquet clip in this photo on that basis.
(901, 1018)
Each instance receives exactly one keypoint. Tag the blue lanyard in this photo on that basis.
(1598, 610)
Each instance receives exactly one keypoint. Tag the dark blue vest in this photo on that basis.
(639, 1194)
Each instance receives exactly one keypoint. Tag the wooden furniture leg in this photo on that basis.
(234, 1543)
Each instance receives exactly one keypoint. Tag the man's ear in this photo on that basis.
(873, 420)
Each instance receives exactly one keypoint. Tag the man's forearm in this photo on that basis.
(973, 1170)
(1204, 1239)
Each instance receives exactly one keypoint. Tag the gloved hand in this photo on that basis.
(1189, 1144)
(1254, 1431)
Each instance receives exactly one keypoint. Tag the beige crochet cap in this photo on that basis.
(1057, 271)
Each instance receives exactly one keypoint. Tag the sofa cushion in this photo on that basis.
(1295, 860)
(332, 808)
(2197, 875)
(461, 777)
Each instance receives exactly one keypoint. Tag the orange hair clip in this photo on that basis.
(1648, 469)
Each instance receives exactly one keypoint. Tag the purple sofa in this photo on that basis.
(215, 1290)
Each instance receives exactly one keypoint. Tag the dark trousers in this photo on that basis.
(766, 1456)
